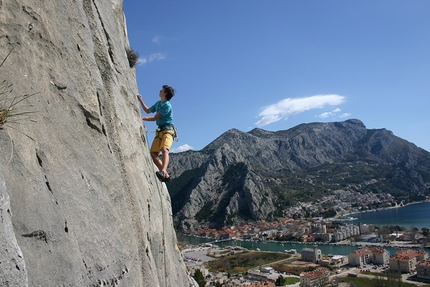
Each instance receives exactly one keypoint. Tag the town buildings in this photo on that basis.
(369, 255)
(406, 261)
(318, 277)
(423, 269)
(311, 254)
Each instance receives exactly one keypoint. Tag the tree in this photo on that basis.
(413, 233)
(200, 279)
(384, 231)
(426, 235)
(394, 280)
(279, 281)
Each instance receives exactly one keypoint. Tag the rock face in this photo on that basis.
(254, 175)
(12, 271)
(85, 206)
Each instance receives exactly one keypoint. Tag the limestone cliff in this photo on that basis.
(80, 205)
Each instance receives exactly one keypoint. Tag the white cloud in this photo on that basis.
(156, 39)
(329, 114)
(325, 115)
(151, 58)
(345, 115)
(182, 148)
(141, 61)
(293, 106)
(157, 57)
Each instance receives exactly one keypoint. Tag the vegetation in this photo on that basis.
(231, 173)
(290, 280)
(392, 280)
(10, 112)
(295, 269)
(282, 281)
(200, 279)
(314, 183)
(132, 57)
(329, 213)
(240, 263)
(204, 213)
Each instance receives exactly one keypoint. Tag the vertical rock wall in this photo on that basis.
(12, 265)
(85, 206)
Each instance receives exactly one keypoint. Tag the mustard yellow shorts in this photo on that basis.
(162, 139)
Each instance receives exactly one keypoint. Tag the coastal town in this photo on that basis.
(331, 219)
(310, 267)
(305, 223)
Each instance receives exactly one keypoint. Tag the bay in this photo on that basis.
(326, 249)
(413, 215)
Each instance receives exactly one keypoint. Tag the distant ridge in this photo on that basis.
(254, 175)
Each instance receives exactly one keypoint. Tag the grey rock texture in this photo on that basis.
(253, 175)
(12, 266)
(85, 205)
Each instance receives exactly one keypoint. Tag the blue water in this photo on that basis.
(282, 247)
(414, 215)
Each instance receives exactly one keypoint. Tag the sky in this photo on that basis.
(275, 64)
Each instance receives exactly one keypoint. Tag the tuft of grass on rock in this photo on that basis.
(11, 112)
(132, 57)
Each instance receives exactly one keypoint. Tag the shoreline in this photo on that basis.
(385, 208)
(346, 242)
(358, 244)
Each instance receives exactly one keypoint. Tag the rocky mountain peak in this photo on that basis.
(267, 171)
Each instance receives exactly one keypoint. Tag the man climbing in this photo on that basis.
(165, 132)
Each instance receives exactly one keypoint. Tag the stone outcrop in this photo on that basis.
(12, 266)
(254, 175)
(85, 206)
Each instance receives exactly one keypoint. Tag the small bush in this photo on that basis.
(10, 113)
(200, 279)
(132, 57)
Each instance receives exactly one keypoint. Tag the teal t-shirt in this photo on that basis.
(165, 109)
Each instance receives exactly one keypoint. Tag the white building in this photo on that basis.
(267, 269)
(406, 261)
(311, 254)
(423, 269)
(369, 255)
(319, 227)
(318, 277)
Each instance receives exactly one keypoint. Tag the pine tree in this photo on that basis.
(200, 279)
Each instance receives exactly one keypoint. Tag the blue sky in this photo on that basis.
(279, 63)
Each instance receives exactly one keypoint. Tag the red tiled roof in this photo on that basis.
(369, 250)
(378, 250)
(409, 253)
(402, 258)
(362, 251)
(424, 263)
(316, 273)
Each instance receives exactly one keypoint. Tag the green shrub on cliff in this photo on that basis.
(10, 110)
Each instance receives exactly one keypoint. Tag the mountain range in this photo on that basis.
(255, 175)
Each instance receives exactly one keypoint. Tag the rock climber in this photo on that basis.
(165, 132)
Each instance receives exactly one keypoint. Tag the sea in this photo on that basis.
(413, 215)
